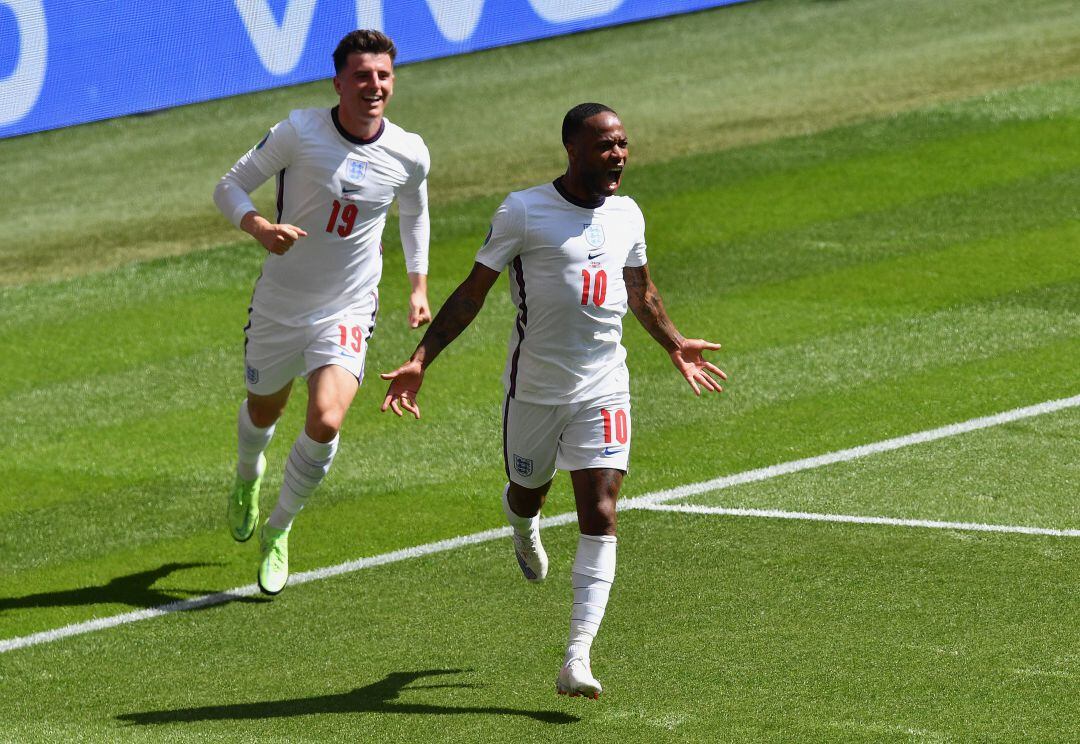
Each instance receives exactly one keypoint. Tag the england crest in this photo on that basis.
(355, 170)
(523, 465)
(594, 235)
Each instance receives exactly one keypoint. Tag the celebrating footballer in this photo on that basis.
(575, 254)
(314, 306)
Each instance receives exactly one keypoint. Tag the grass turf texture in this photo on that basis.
(785, 632)
(867, 281)
(139, 186)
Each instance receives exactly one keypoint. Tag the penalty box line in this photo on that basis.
(648, 501)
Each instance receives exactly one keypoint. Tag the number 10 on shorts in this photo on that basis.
(618, 418)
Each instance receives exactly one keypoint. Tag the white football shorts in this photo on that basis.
(538, 439)
(275, 354)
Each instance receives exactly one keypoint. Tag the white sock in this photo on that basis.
(252, 441)
(593, 573)
(308, 463)
(522, 525)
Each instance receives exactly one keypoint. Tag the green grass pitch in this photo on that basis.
(872, 205)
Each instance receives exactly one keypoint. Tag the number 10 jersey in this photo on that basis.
(565, 261)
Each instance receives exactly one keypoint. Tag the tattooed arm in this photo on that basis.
(456, 314)
(647, 306)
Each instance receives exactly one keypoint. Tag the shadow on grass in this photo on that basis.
(135, 590)
(378, 697)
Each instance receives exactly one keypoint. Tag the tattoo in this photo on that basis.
(456, 314)
(605, 480)
(595, 493)
(636, 277)
(644, 300)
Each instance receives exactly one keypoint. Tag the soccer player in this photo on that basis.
(575, 253)
(314, 305)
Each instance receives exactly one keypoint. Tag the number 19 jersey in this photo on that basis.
(565, 261)
(338, 189)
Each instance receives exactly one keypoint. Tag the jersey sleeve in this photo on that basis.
(506, 236)
(415, 223)
(274, 153)
(636, 257)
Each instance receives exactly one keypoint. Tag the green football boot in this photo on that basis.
(243, 511)
(274, 569)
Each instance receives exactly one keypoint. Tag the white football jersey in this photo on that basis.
(338, 189)
(565, 263)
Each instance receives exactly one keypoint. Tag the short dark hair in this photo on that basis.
(575, 118)
(364, 41)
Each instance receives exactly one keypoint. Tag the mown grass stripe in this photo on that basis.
(648, 501)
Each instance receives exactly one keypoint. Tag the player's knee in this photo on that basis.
(599, 518)
(325, 425)
(605, 512)
(525, 501)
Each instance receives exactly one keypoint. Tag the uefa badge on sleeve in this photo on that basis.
(523, 465)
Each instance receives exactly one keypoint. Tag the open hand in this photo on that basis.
(693, 366)
(405, 382)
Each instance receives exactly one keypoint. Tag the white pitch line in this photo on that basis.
(251, 590)
(640, 502)
(852, 519)
(854, 453)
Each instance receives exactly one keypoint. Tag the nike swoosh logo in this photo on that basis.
(591, 256)
(349, 191)
(609, 451)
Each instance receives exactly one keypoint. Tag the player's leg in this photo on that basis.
(331, 390)
(334, 367)
(255, 428)
(522, 506)
(530, 436)
(525, 503)
(272, 357)
(595, 448)
(255, 425)
(595, 491)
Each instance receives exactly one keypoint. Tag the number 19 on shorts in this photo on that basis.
(351, 332)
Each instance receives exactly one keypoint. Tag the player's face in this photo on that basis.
(365, 84)
(600, 152)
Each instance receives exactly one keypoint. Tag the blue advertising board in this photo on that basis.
(65, 62)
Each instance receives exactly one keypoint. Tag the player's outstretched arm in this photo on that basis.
(456, 314)
(686, 353)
